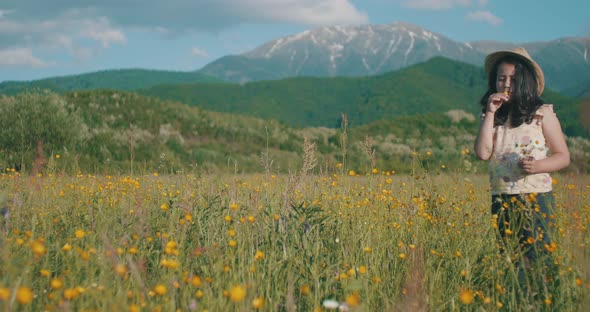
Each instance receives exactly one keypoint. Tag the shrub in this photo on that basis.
(30, 118)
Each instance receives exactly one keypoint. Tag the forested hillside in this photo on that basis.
(436, 86)
(120, 79)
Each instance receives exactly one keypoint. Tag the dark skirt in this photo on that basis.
(524, 223)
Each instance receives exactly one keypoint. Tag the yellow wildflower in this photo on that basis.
(199, 294)
(196, 281)
(71, 293)
(4, 293)
(237, 293)
(353, 299)
(38, 248)
(24, 295)
(258, 303)
(552, 247)
(160, 290)
(170, 263)
(80, 234)
(466, 296)
(362, 269)
(121, 269)
(56, 283)
(66, 247)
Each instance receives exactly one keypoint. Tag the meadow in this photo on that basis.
(306, 241)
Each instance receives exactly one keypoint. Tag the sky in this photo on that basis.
(49, 38)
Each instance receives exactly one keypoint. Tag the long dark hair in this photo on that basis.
(524, 100)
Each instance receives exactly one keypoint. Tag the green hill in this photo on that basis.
(436, 86)
(120, 79)
(115, 131)
(119, 130)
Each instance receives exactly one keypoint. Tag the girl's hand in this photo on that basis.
(528, 164)
(495, 101)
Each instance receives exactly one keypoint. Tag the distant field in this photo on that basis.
(378, 242)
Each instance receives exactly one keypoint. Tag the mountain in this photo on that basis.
(120, 79)
(340, 51)
(435, 86)
(347, 51)
(374, 49)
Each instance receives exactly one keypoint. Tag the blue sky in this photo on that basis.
(47, 38)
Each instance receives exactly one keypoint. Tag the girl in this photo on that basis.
(521, 137)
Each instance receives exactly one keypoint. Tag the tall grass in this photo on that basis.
(374, 242)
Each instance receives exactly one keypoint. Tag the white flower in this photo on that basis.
(330, 304)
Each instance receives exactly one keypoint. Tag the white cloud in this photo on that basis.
(307, 12)
(485, 16)
(191, 15)
(83, 28)
(21, 57)
(435, 4)
(100, 31)
(4, 13)
(43, 32)
(198, 52)
(73, 32)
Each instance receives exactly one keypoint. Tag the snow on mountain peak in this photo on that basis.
(375, 47)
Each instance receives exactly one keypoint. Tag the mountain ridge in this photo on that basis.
(376, 48)
(333, 51)
(121, 79)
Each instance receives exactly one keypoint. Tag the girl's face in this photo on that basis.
(504, 78)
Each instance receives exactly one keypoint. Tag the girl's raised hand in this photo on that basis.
(496, 100)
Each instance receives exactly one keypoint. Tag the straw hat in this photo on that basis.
(521, 54)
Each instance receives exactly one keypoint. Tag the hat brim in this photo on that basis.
(493, 58)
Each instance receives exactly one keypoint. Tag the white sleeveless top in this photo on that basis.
(512, 144)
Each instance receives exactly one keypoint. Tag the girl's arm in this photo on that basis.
(560, 155)
(484, 144)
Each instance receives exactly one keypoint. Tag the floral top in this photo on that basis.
(512, 144)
